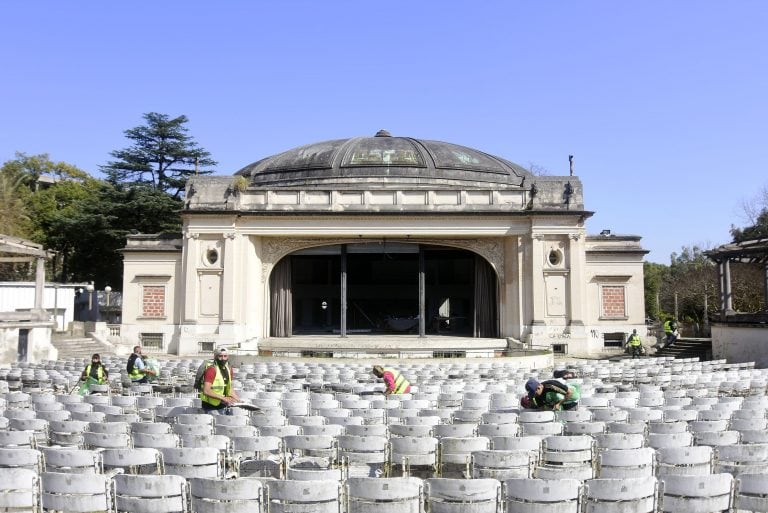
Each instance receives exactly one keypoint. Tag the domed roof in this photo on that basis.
(383, 161)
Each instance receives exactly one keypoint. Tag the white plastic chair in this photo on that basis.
(467, 495)
(696, 494)
(19, 490)
(633, 495)
(288, 496)
(241, 495)
(542, 495)
(151, 493)
(383, 495)
(71, 493)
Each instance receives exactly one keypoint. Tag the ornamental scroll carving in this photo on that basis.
(273, 249)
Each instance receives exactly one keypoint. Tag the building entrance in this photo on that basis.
(388, 288)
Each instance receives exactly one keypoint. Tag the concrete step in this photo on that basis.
(79, 347)
(688, 348)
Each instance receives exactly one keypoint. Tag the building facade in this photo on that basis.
(379, 237)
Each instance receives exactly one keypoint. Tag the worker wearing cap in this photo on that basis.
(553, 394)
(217, 393)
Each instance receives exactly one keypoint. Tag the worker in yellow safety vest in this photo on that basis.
(393, 380)
(635, 344)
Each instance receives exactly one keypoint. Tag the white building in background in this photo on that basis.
(357, 242)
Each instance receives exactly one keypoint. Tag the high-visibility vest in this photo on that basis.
(219, 385)
(401, 384)
(634, 340)
(668, 327)
(99, 373)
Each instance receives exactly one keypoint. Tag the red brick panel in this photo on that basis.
(613, 301)
(153, 302)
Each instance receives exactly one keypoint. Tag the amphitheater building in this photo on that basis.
(383, 245)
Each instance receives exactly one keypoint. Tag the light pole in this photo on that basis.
(108, 292)
(89, 288)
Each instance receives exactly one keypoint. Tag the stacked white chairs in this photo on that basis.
(751, 493)
(466, 430)
(368, 430)
(542, 495)
(697, 460)
(132, 461)
(74, 461)
(193, 461)
(619, 440)
(72, 493)
(21, 457)
(411, 453)
(11, 439)
(631, 495)
(241, 495)
(716, 438)
(455, 454)
(290, 496)
(151, 493)
(363, 456)
(502, 465)
(696, 493)
(258, 456)
(742, 459)
(20, 490)
(625, 463)
(567, 457)
(468, 495)
(383, 495)
(155, 440)
(672, 439)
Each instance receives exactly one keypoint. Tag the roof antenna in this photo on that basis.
(570, 161)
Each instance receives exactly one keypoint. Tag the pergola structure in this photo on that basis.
(740, 337)
(753, 251)
(26, 335)
(17, 250)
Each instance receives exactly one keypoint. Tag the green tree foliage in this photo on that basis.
(162, 157)
(756, 211)
(759, 230)
(13, 192)
(692, 276)
(655, 276)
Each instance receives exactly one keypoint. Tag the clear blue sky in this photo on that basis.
(663, 103)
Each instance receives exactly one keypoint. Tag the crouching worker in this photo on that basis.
(393, 380)
(94, 374)
(553, 394)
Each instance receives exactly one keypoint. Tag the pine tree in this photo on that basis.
(163, 156)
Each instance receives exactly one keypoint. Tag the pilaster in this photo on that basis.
(228, 282)
(576, 285)
(191, 255)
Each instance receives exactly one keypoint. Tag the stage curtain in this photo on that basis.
(281, 310)
(486, 324)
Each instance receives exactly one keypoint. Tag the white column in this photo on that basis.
(39, 283)
(538, 290)
(228, 282)
(191, 256)
(576, 263)
(728, 290)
